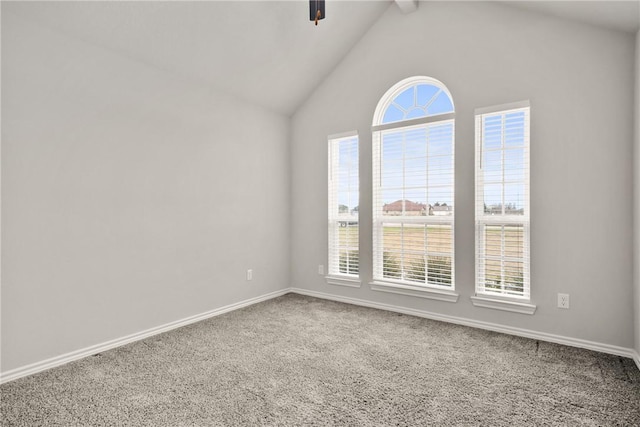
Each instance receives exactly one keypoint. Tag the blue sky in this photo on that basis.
(418, 101)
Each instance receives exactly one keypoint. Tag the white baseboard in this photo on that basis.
(98, 348)
(558, 339)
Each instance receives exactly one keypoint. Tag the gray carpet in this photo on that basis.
(297, 360)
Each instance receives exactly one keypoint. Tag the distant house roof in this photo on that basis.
(442, 208)
(409, 206)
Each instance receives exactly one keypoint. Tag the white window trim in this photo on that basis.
(502, 107)
(347, 281)
(343, 135)
(415, 291)
(512, 303)
(498, 303)
(413, 122)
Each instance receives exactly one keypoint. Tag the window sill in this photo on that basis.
(505, 305)
(430, 293)
(343, 281)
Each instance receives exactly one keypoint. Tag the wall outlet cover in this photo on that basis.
(563, 301)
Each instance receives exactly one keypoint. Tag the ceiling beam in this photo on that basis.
(407, 6)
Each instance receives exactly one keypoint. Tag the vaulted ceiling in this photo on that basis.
(268, 53)
(620, 15)
(265, 52)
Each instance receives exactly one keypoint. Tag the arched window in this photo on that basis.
(413, 98)
(413, 187)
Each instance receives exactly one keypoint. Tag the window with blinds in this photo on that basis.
(343, 206)
(502, 201)
(413, 185)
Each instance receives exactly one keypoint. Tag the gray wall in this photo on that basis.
(577, 79)
(636, 198)
(130, 199)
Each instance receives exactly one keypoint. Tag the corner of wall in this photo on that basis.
(636, 203)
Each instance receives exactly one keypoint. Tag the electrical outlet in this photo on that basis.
(321, 269)
(250, 274)
(563, 300)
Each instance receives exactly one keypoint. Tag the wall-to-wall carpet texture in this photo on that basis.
(299, 360)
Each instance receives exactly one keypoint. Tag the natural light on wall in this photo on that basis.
(413, 186)
(343, 206)
(502, 201)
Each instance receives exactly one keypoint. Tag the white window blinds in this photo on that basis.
(343, 206)
(413, 204)
(502, 201)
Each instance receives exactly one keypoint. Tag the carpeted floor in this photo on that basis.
(298, 360)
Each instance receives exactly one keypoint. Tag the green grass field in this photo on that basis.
(439, 239)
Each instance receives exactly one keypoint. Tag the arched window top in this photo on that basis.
(413, 98)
